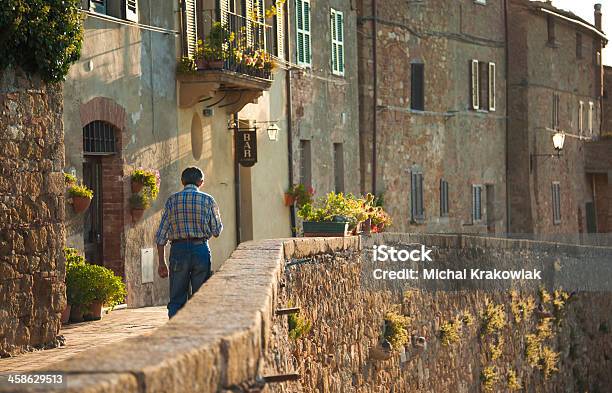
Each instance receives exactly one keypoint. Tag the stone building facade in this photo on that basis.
(126, 86)
(32, 233)
(433, 112)
(555, 85)
(323, 95)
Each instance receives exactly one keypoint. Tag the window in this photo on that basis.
(483, 2)
(303, 32)
(417, 86)
(475, 93)
(443, 198)
(578, 45)
(476, 203)
(416, 195)
(124, 9)
(98, 6)
(556, 202)
(555, 111)
(305, 163)
(580, 117)
(338, 167)
(590, 120)
(337, 39)
(99, 138)
(483, 83)
(492, 87)
(551, 29)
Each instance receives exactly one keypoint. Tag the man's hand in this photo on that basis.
(162, 269)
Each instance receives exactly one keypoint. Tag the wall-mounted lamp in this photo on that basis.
(558, 140)
(273, 131)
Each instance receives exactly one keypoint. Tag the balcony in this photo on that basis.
(226, 62)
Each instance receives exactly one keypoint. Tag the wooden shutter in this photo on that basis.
(339, 22)
(224, 8)
(131, 10)
(334, 45)
(307, 50)
(475, 89)
(250, 17)
(280, 29)
(190, 23)
(302, 14)
(492, 87)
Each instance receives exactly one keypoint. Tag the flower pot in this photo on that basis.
(289, 199)
(137, 187)
(137, 214)
(325, 229)
(80, 204)
(66, 314)
(76, 315)
(94, 313)
(201, 64)
(215, 64)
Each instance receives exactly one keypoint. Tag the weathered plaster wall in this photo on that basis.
(448, 140)
(325, 107)
(539, 69)
(32, 196)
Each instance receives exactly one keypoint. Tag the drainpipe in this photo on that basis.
(507, 62)
(289, 115)
(236, 180)
(375, 86)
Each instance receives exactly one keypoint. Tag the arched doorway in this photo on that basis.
(103, 173)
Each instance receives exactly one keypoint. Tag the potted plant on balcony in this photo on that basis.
(331, 216)
(216, 47)
(145, 178)
(81, 197)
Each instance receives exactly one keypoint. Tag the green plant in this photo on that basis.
(544, 330)
(301, 194)
(215, 46)
(496, 349)
(559, 299)
(449, 331)
(396, 329)
(70, 179)
(493, 317)
(80, 190)
(544, 295)
(150, 179)
(41, 36)
(299, 326)
(548, 361)
(186, 65)
(521, 308)
(140, 200)
(488, 378)
(106, 288)
(532, 349)
(513, 381)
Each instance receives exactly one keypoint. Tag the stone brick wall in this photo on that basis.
(448, 140)
(32, 270)
(537, 70)
(229, 336)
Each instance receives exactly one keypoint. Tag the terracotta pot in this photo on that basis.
(215, 64)
(201, 64)
(95, 312)
(137, 214)
(137, 187)
(80, 204)
(76, 315)
(289, 199)
(66, 314)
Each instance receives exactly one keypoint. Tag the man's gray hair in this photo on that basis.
(192, 175)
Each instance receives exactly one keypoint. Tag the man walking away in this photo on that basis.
(190, 218)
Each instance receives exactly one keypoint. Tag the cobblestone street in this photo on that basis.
(115, 326)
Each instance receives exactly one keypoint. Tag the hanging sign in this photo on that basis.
(246, 149)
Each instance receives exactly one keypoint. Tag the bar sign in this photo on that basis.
(246, 149)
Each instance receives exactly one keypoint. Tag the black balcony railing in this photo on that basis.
(232, 42)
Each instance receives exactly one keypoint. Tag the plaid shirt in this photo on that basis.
(189, 214)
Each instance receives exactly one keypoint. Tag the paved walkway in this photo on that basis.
(115, 326)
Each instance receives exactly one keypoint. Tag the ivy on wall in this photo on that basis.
(40, 36)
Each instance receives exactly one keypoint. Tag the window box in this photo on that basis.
(325, 229)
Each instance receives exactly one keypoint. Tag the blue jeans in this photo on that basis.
(190, 263)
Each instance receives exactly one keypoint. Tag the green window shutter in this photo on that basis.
(337, 38)
(302, 13)
(340, 29)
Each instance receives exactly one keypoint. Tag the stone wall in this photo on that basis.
(229, 336)
(32, 270)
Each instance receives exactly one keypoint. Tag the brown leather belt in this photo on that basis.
(190, 240)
